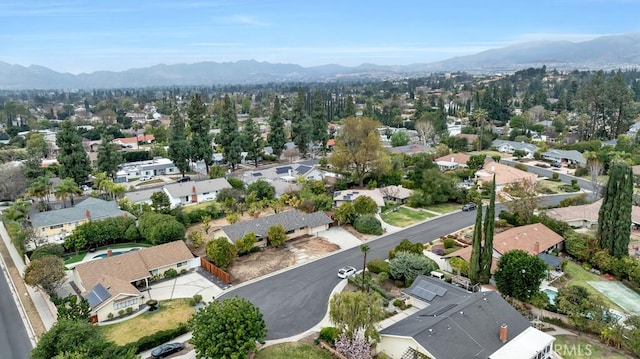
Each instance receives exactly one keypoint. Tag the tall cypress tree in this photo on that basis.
(350, 108)
(108, 156)
(476, 251)
(178, 143)
(200, 125)
(229, 137)
(276, 138)
(319, 120)
(614, 219)
(251, 141)
(300, 124)
(73, 160)
(489, 227)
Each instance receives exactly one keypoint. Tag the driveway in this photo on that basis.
(341, 237)
(184, 286)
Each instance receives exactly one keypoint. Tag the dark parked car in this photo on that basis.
(556, 164)
(166, 349)
(184, 179)
(469, 207)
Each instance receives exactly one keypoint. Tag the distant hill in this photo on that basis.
(607, 52)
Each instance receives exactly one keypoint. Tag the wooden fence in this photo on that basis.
(211, 268)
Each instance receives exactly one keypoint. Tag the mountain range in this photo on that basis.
(607, 52)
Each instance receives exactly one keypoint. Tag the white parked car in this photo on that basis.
(345, 272)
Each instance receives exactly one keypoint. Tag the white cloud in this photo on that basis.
(249, 20)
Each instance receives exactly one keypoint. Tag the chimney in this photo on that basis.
(503, 333)
(109, 252)
(536, 248)
(194, 194)
(493, 168)
(453, 159)
(87, 214)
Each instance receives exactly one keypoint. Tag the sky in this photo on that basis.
(86, 36)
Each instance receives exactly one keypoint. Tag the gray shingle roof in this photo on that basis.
(142, 195)
(516, 145)
(461, 327)
(571, 155)
(177, 190)
(98, 209)
(291, 220)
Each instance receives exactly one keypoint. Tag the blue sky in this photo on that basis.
(84, 36)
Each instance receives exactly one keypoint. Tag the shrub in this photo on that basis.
(581, 172)
(399, 283)
(520, 166)
(196, 238)
(129, 310)
(449, 243)
(450, 250)
(51, 249)
(110, 316)
(368, 224)
(197, 298)
(329, 334)
(121, 312)
(183, 271)
(244, 244)
(378, 266)
(382, 277)
(555, 177)
(170, 273)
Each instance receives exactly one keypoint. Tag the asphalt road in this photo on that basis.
(14, 339)
(547, 172)
(294, 301)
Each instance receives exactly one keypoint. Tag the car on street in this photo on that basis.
(345, 272)
(184, 179)
(556, 164)
(469, 207)
(166, 350)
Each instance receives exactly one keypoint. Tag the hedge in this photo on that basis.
(329, 334)
(158, 338)
(378, 266)
(367, 224)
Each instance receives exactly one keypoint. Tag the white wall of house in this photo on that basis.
(120, 302)
(395, 346)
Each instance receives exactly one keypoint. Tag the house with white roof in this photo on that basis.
(512, 146)
(182, 193)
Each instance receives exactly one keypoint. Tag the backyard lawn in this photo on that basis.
(571, 347)
(293, 351)
(403, 216)
(578, 276)
(171, 313)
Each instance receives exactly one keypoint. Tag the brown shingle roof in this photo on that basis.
(586, 212)
(459, 158)
(525, 238)
(504, 174)
(165, 254)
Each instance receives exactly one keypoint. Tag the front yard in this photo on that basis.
(171, 313)
(293, 351)
(403, 216)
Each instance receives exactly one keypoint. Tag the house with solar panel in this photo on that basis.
(449, 322)
(283, 178)
(115, 283)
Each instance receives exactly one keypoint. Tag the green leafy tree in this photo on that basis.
(160, 202)
(276, 235)
(486, 258)
(229, 137)
(200, 124)
(353, 311)
(48, 273)
(262, 189)
(72, 307)
(251, 140)
(301, 129)
(76, 241)
(319, 123)
(406, 245)
(407, 266)
(73, 160)
(519, 274)
(221, 252)
(160, 228)
(246, 243)
(37, 146)
(68, 188)
(358, 149)
(399, 138)
(345, 214)
(179, 149)
(365, 205)
(277, 137)
(217, 171)
(476, 162)
(614, 219)
(476, 250)
(227, 329)
(109, 158)
(350, 107)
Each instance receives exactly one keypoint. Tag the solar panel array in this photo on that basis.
(303, 169)
(97, 295)
(257, 174)
(283, 170)
(427, 290)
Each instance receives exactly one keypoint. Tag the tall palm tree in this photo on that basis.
(40, 188)
(67, 188)
(364, 249)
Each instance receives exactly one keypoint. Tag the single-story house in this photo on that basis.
(513, 146)
(350, 195)
(586, 215)
(505, 175)
(411, 149)
(452, 161)
(399, 194)
(181, 193)
(457, 324)
(295, 223)
(156, 167)
(534, 239)
(130, 142)
(284, 178)
(565, 157)
(53, 226)
(112, 284)
(141, 196)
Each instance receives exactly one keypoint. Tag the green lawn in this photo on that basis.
(73, 258)
(202, 205)
(153, 181)
(404, 216)
(171, 313)
(444, 208)
(571, 347)
(293, 351)
(578, 276)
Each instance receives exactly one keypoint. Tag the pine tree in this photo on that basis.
(276, 138)
(73, 160)
(319, 122)
(251, 141)
(614, 219)
(178, 143)
(476, 251)
(229, 137)
(350, 109)
(200, 124)
(489, 227)
(109, 158)
(300, 125)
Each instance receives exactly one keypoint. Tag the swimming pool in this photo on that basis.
(115, 253)
(551, 294)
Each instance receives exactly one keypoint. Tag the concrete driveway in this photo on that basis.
(185, 286)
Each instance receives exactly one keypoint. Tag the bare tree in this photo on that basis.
(12, 182)
(596, 169)
(425, 130)
(521, 199)
(291, 154)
